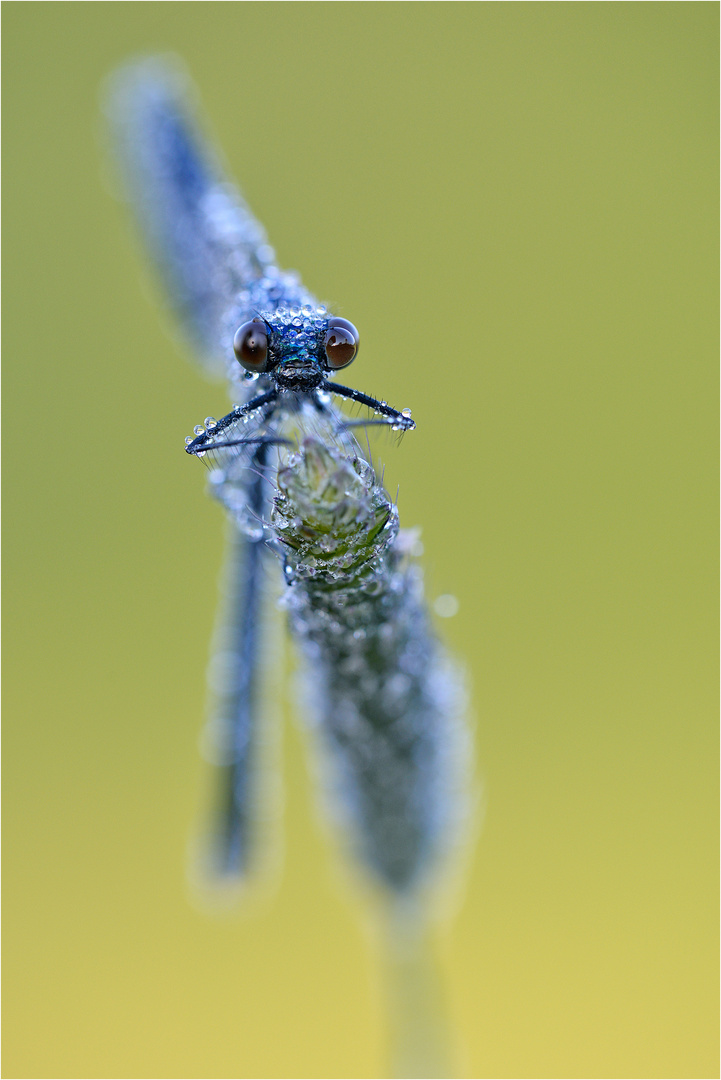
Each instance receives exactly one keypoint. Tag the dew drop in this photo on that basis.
(446, 606)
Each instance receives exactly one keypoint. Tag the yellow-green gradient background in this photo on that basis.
(516, 203)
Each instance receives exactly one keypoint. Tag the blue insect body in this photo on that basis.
(383, 692)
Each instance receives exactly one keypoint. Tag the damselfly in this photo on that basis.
(362, 624)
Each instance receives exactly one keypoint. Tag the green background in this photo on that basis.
(516, 203)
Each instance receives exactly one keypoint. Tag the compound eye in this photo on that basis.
(250, 345)
(341, 343)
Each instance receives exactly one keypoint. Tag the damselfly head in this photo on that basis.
(296, 348)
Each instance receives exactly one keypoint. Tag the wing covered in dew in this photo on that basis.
(238, 677)
(235, 676)
(206, 244)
